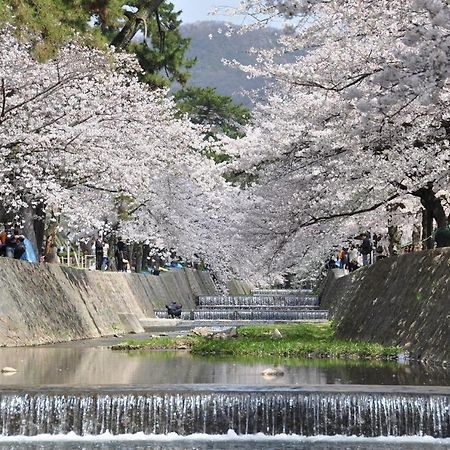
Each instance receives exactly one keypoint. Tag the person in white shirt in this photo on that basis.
(352, 258)
(105, 260)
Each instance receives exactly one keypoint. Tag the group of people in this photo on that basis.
(102, 261)
(13, 245)
(355, 256)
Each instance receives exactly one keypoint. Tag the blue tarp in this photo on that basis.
(30, 254)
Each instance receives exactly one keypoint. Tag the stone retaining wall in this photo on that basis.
(51, 303)
(403, 300)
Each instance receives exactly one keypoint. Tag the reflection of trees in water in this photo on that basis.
(355, 371)
(65, 365)
(42, 364)
(393, 373)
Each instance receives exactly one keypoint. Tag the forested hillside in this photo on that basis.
(210, 71)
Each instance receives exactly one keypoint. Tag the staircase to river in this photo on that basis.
(260, 305)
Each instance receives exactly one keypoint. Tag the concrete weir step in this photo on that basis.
(260, 301)
(265, 315)
(282, 292)
(260, 307)
(260, 315)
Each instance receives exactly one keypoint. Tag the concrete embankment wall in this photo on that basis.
(403, 300)
(51, 303)
(237, 287)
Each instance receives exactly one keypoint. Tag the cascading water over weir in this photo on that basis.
(274, 305)
(212, 410)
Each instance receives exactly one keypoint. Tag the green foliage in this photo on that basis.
(219, 113)
(163, 52)
(52, 23)
(156, 343)
(48, 23)
(124, 205)
(298, 341)
(206, 107)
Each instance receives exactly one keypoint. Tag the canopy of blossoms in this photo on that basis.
(81, 137)
(355, 128)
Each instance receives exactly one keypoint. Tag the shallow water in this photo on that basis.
(91, 366)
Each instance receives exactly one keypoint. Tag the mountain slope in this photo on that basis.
(209, 51)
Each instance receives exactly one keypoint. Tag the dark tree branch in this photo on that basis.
(2, 114)
(145, 9)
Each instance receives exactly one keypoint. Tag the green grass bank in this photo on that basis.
(300, 340)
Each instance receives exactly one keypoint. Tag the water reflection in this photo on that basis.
(102, 366)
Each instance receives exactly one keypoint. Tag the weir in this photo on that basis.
(226, 314)
(255, 307)
(245, 314)
(312, 411)
(281, 301)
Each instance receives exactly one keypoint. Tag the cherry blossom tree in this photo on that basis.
(83, 140)
(355, 126)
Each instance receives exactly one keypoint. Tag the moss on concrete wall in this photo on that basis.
(51, 303)
(402, 300)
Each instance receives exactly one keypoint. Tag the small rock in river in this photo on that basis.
(276, 334)
(8, 370)
(272, 372)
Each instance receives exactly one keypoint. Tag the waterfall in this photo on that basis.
(254, 307)
(226, 314)
(258, 301)
(186, 410)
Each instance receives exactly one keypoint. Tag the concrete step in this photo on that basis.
(282, 292)
(259, 307)
(262, 300)
(265, 315)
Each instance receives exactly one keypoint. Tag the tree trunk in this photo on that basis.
(433, 210)
(5, 217)
(145, 254)
(427, 227)
(51, 255)
(139, 254)
(39, 227)
(395, 237)
(112, 241)
(130, 258)
(417, 237)
(145, 9)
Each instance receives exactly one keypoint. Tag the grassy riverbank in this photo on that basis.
(299, 340)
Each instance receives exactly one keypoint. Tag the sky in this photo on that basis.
(197, 10)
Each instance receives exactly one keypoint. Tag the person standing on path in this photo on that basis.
(105, 259)
(98, 253)
(366, 250)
